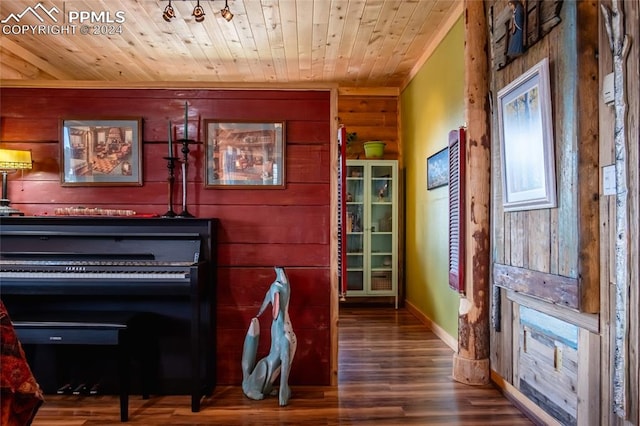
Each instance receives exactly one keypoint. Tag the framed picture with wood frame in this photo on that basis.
(526, 141)
(242, 154)
(106, 151)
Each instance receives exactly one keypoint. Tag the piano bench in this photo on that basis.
(84, 333)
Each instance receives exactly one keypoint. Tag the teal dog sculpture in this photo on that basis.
(258, 378)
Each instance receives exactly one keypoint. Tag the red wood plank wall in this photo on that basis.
(258, 228)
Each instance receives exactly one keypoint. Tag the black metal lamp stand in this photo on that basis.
(171, 165)
(185, 164)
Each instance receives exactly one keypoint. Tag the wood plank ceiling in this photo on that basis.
(372, 43)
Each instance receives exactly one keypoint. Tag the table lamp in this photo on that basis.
(12, 160)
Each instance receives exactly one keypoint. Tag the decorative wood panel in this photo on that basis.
(549, 287)
(548, 364)
(560, 241)
(257, 229)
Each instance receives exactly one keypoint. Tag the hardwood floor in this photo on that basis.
(392, 371)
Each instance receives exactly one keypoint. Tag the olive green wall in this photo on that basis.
(432, 105)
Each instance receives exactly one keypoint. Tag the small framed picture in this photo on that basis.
(242, 154)
(105, 152)
(438, 169)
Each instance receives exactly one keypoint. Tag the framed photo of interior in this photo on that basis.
(242, 154)
(105, 152)
(438, 169)
(526, 141)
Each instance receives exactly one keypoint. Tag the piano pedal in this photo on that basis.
(64, 389)
(95, 389)
(81, 389)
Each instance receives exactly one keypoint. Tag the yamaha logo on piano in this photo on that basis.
(75, 269)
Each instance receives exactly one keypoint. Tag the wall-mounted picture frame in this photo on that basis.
(438, 169)
(526, 141)
(101, 152)
(245, 154)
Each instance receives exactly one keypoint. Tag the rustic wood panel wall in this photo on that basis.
(561, 241)
(258, 228)
(553, 254)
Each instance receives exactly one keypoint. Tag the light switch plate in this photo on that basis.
(607, 89)
(609, 180)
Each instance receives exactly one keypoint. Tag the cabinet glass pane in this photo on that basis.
(381, 171)
(381, 218)
(381, 184)
(381, 190)
(354, 218)
(354, 261)
(381, 261)
(354, 244)
(355, 281)
(381, 281)
(355, 200)
(381, 243)
(355, 171)
(355, 184)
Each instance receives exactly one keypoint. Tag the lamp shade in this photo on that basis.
(15, 159)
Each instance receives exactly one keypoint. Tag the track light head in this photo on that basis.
(198, 12)
(168, 13)
(225, 12)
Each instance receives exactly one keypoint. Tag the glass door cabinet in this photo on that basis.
(372, 228)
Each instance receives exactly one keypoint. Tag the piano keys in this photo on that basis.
(158, 270)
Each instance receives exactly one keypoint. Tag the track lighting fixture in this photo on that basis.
(198, 12)
(226, 13)
(168, 12)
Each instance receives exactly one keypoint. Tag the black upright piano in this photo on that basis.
(159, 273)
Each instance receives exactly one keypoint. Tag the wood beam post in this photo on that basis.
(471, 362)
